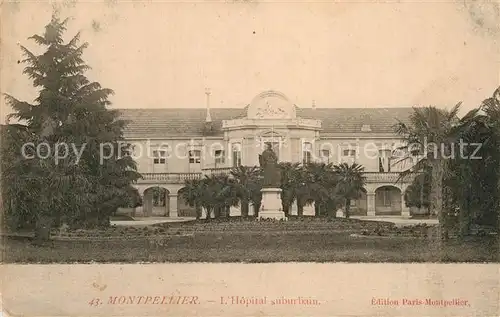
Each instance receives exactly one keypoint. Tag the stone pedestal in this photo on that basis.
(271, 207)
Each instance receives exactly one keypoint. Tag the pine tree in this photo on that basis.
(71, 110)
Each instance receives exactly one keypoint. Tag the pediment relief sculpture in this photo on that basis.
(271, 105)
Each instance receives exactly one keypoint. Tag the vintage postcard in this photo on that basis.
(250, 158)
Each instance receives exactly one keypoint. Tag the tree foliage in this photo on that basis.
(303, 184)
(417, 193)
(460, 176)
(350, 183)
(428, 141)
(247, 185)
(476, 172)
(69, 110)
(214, 193)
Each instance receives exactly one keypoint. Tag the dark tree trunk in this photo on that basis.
(104, 221)
(57, 221)
(42, 228)
(438, 167)
(286, 207)
(330, 209)
(347, 208)
(300, 209)
(256, 209)
(244, 208)
(464, 222)
(286, 210)
(464, 218)
(103, 218)
(317, 209)
(198, 212)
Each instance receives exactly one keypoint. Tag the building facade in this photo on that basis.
(173, 145)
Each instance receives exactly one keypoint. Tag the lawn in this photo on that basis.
(252, 241)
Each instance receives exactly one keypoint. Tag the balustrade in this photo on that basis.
(168, 177)
(371, 177)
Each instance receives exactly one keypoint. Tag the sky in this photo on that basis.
(340, 54)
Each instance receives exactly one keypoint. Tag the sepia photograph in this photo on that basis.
(229, 133)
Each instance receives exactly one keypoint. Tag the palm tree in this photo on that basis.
(304, 188)
(192, 195)
(159, 194)
(350, 183)
(200, 194)
(491, 107)
(427, 138)
(246, 185)
(287, 185)
(479, 181)
(322, 185)
(223, 189)
(291, 180)
(305, 184)
(417, 193)
(255, 194)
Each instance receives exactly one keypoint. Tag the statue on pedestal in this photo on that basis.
(269, 163)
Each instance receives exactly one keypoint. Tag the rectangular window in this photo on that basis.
(194, 156)
(380, 165)
(307, 153)
(236, 154)
(219, 157)
(325, 155)
(384, 161)
(159, 157)
(349, 152)
(306, 157)
(236, 158)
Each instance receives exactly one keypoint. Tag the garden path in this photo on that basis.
(398, 221)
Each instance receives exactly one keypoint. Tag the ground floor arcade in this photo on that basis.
(166, 200)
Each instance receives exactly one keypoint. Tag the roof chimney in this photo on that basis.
(207, 92)
(314, 104)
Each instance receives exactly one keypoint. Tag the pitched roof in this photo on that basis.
(351, 120)
(149, 123)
